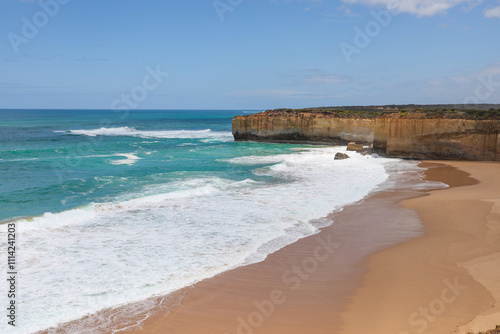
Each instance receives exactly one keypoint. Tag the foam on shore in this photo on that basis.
(169, 236)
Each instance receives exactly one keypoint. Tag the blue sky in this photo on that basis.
(247, 54)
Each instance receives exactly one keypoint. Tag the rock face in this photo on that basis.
(415, 136)
(306, 127)
(456, 139)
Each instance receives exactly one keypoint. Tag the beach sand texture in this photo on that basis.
(352, 278)
(428, 285)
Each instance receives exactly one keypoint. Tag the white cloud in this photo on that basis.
(493, 12)
(471, 4)
(418, 7)
(264, 93)
(280, 93)
(481, 86)
(493, 69)
(313, 77)
(323, 79)
(490, 71)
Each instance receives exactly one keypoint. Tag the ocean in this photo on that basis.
(111, 208)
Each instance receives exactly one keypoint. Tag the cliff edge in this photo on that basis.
(418, 133)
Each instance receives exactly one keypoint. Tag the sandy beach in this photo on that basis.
(376, 263)
(401, 261)
(447, 281)
(250, 167)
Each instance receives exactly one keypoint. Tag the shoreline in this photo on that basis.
(380, 261)
(383, 287)
(302, 287)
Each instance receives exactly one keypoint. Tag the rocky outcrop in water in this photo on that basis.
(341, 156)
(352, 146)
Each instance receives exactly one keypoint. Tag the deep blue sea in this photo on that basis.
(112, 208)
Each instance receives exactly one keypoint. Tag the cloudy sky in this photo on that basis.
(247, 54)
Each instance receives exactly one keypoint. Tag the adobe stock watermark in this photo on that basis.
(293, 279)
(484, 89)
(363, 37)
(420, 319)
(30, 27)
(223, 6)
(122, 105)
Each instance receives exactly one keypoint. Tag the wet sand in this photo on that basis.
(302, 288)
(401, 261)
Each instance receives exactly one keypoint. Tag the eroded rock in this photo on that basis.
(352, 146)
(341, 156)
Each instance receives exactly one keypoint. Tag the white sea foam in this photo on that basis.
(23, 159)
(130, 159)
(130, 131)
(172, 235)
(51, 220)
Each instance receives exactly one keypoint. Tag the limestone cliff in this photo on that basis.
(302, 127)
(415, 135)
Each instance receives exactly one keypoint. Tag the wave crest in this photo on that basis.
(130, 131)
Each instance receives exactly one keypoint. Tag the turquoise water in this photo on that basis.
(43, 167)
(113, 208)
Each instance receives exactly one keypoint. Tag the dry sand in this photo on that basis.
(399, 262)
(449, 280)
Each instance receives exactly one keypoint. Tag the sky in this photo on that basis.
(247, 54)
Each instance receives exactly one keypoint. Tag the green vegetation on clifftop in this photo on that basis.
(479, 112)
